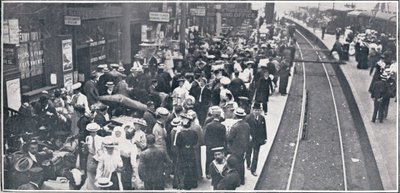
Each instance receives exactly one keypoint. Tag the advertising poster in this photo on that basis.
(13, 94)
(68, 82)
(67, 55)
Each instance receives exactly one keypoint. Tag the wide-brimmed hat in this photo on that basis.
(240, 112)
(92, 127)
(23, 164)
(106, 69)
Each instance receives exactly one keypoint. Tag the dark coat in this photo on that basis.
(101, 84)
(28, 186)
(100, 119)
(163, 83)
(258, 129)
(238, 88)
(216, 176)
(263, 90)
(152, 165)
(91, 92)
(215, 134)
(151, 120)
(230, 181)
(239, 138)
(380, 90)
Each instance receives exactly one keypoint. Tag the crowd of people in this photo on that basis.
(374, 51)
(217, 98)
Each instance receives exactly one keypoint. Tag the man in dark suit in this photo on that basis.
(263, 89)
(101, 119)
(36, 179)
(163, 81)
(237, 87)
(214, 136)
(380, 94)
(90, 89)
(150, 117)
(202, 95)
(152, 165)
(258, 135)
(238, 140)
(103, 79)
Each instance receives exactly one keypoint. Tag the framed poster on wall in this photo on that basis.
(67, 55)
(68, 80)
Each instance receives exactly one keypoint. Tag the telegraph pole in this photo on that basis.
(182, 28)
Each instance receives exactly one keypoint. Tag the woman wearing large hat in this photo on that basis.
(110, 164)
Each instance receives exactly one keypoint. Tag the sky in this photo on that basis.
(281, 7)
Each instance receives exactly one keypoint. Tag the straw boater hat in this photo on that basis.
(215, 110)
(176, 121)
(92, 127)
(76, 86)
(162, 111)
(240, 112)
(140, 122)
(225, 81)
(23, 164)
(109, 142)
(114, 65)
(121, 69)
(161, 66)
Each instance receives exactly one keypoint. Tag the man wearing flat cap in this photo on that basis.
(238, 140)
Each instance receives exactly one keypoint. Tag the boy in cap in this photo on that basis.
(217, 167)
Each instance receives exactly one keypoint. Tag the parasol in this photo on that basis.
(121, 99)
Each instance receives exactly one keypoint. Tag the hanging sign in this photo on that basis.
(159, 16)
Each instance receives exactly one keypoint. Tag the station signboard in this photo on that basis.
(159, 16)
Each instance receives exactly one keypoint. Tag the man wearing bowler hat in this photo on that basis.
(238, 140)
(258, 136)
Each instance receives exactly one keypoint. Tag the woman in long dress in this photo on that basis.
(186, 162)
(128, 153)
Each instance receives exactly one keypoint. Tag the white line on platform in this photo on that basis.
(337, 116)
(301, 124)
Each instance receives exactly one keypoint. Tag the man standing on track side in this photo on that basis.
(258, 136)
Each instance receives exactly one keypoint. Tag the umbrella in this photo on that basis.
(121, 99)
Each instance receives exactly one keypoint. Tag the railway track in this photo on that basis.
(327, 154)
